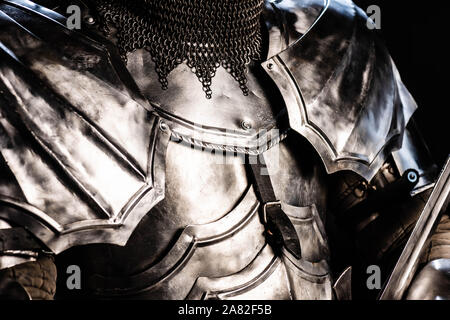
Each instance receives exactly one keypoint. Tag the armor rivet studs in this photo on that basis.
(412, 177)
(246, 125)
(163, 126)
(89, 19)
(270, 66)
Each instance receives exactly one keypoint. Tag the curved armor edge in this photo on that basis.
(343, 92)
(183, 273)
(90, 123)
(332, 84)
(54, 186)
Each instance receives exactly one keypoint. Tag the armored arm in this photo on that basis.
(381, 214)
(431, 244)
(433, 281)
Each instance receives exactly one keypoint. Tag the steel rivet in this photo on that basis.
(163, 126)
(412, 177)
(89, 20)
(246, 125)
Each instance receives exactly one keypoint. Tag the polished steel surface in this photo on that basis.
(224, 232)
(205, 249)
(4, 224)
(9, 260)
(432, 282)
(291, 19)
(343, 285)
(217, 122)
(264, 278)
(93, 152)
(209, 261)
(329, 98)
(337, 82)
(82, 130)
(309, 276)
(415, 155)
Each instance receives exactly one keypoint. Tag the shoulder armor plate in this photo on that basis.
(77, 167)
(342, 90)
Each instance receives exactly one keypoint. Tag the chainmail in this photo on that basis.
(204, 34)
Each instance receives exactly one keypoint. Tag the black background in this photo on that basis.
(416, 35)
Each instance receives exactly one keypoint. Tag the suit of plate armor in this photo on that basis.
(149, 191)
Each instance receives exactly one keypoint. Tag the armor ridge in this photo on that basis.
(135, 157)
(336, 125)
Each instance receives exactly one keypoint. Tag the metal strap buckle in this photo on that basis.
(269, 204)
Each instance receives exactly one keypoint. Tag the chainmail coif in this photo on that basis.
(204, 34)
